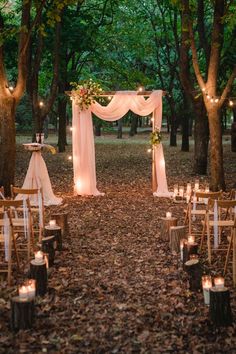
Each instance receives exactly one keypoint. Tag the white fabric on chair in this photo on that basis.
(37, 177)
(83, 140)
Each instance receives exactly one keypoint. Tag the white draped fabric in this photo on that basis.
(83, 139)
(37, 177)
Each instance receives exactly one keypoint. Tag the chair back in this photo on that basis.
(2, 193)
(211, 195)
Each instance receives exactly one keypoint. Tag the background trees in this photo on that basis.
(122, 44)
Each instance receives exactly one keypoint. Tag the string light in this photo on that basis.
(109, 98)
(149, 150)
(70, 158)
(71, 128)
(41, 104)
(141, 89)
(11, 88)
(212, 99)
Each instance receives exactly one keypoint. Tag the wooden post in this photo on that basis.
(54, 231)
(166, 223)
(49, 245)
(62, 221)
(22, 313)
(220, 310)
(38, 271)
(176, 234)
(194, 270)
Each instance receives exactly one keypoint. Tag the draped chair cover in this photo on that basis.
(83, 139)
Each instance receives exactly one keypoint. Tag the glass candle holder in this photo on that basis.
(206, 286)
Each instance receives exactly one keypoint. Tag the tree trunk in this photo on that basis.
(119, 131)
(216, 150)
(62, 102)
(173, 124)
(201, 138)
(97, 126)
(134, 125)
(7, 142)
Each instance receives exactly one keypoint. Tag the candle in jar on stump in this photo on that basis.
(206, 286)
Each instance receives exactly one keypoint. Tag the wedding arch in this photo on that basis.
(83, 139)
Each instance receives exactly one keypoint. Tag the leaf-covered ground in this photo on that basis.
(116, 287)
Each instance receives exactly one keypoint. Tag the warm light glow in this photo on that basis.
(168, 215)
(216, 100)
(71, 98)
(78, 184)
(70, 158)
(231, 103)
(152, 119)
(191, 239)
(23, 291)
(109, 98)
(71, 128)
(140, 89)
(212, 100)
(38, 256)
(219, 282)
(52, 223)
(41, 104)
(208, 97)
(162, 162)
(204, 89)
(11, 88)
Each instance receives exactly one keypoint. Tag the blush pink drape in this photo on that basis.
(83, 139)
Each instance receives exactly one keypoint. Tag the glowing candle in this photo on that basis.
(23, 292)
(191, 239)
(206, 286)
(31, 285)
(168, 215)
(219, 282)
(38, 256)
(182, 242)
(52, 223)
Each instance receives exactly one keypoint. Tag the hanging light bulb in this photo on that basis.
(149, 150)
(109, 98)
(71, 128)
(204, 89)
(212, 100)
(208, 96)
(71, 98)
(231, 103)
(216, 100)
(141, 89)
(11, 88)
(41, 104)
(70, 158)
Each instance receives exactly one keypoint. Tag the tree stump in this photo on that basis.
(176, 234)
(22, 313)
(194, 270)
(54, 231)
(49, 245)
(188, 249)
(62, 221)
(220, 310)
(166, 223)
(38, 271)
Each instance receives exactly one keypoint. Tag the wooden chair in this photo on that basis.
(197, 207)
(216, 219)
(37, 212)
(2, 196)
(22, 223)
(6, 264)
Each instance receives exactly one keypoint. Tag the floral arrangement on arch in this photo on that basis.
(156, 137)
(84, 92)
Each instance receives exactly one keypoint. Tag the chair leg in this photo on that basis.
(203, 235)
(228, 253)
(234, 257)
(16, 252)
(186, 216)
(209, 243)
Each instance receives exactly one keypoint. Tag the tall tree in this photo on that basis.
(215, 96)
(9, 99)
